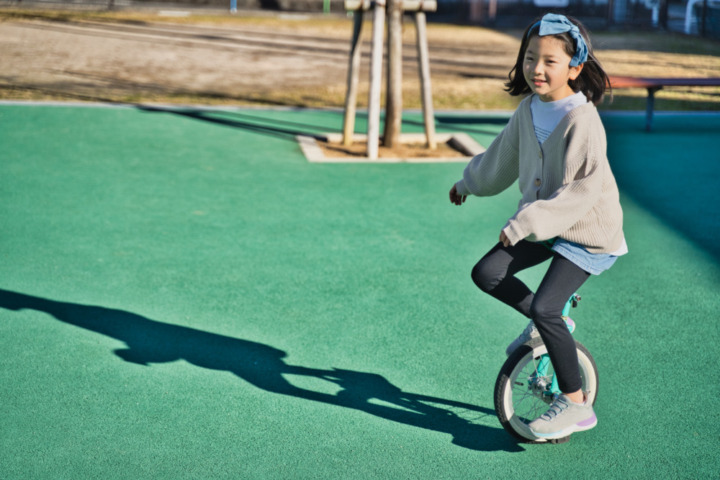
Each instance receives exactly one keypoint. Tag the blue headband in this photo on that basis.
(552, 24)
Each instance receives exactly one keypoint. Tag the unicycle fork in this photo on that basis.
(542, 384)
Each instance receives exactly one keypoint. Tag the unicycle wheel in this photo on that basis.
(522, 395)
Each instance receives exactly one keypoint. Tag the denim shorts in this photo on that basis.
(593, 263)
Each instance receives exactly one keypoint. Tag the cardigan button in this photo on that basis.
(538, 182)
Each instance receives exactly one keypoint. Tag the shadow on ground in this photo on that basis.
(285, 129)
(672, 171)
(149, 341)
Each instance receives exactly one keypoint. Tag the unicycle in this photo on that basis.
(527, 385)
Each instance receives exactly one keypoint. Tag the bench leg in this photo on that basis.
(650, 107)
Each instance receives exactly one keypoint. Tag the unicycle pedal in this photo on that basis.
(557, 441)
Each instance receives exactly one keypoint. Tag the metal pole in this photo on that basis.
(425, 85)
(375, 79)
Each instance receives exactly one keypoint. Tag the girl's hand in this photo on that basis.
(504, 239)
(455, 197)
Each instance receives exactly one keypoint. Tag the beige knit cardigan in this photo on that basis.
(568, 189)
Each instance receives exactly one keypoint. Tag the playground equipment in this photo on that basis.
(395, 10)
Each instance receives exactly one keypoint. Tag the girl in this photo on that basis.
(554, 146)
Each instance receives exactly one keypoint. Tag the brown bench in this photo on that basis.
(652, 85)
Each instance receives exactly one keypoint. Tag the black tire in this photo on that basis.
(516, 405)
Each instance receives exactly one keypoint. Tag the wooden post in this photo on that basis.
(475, 12)
(352, 80)
(393, 102)
(425, 84)
(492, 11)
(375, 79)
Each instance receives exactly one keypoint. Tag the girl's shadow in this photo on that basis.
(149, 341)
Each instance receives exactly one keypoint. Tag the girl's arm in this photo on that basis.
(496, 169)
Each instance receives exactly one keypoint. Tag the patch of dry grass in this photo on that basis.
(472, 85)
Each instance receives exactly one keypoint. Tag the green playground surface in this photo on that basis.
(184, 296)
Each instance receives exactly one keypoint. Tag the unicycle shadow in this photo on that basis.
(150, 341)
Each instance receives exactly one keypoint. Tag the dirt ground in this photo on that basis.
(408, 150)
(294, 60)
(146, 62)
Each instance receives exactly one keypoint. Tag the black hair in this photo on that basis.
(592, 81)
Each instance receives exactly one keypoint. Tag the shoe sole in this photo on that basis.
(578, 427)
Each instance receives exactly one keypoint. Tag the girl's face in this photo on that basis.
(547, 68)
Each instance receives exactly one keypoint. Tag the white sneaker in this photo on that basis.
(528, 334)
(531, 332)
(564, 418)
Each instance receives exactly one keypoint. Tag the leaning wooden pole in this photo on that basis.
(353, 79)
(375, 80)
(425, 84)
(393, 102)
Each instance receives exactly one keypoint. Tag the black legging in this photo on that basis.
(495, 274)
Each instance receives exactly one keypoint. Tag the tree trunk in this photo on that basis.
(393, 106)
